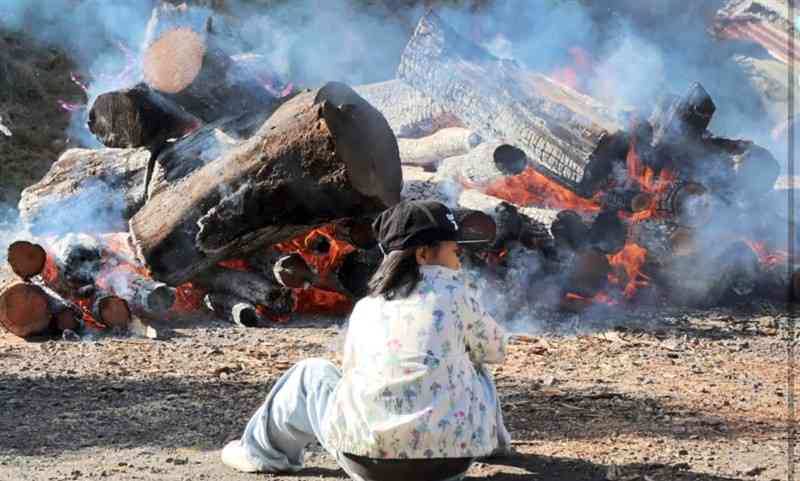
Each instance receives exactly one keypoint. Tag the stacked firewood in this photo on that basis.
(667, 203)
(257, 202)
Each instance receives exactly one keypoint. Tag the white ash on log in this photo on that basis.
(233, 309)
(559, 129)
(183, 61)
(410, 113)
(322, 156)
(485, 165)
(627, 200)
(249, 286)
(97, 190)
(429, 151)
(138, 117)
(144, 296)
(24, 309)
(26, 259)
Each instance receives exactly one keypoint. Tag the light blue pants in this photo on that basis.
(290, 419)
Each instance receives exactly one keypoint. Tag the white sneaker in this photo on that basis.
(234, 456)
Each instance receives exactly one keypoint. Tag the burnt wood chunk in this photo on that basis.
(249, 286)
(233, 309)
(429, 151)
(138, 117)
(322, 156)
(559, 129)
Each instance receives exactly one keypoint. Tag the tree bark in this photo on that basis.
(429, 151)
(560, 130)
(87, 191)
(322, 156)
(410, 113)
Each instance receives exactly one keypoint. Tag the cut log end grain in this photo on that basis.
(112, 311)
(24, 310)
(172, 62)
(26, 258)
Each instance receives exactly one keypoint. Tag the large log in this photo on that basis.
(559, 129)
(324, 155)
(184, 61)
(138, 117)
(410, 113)
(429, 151)
(24, 309)
(87, 191)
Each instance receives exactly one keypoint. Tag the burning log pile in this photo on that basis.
(256, 204)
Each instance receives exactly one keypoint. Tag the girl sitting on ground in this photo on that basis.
(413, 399)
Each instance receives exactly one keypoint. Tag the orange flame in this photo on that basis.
(532, 188)
(629, 261)
(645, 178)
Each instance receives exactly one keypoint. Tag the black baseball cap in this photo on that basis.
(416, 223)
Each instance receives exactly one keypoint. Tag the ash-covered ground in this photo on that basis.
(648, 395)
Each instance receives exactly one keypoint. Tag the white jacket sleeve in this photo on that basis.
(483, 336)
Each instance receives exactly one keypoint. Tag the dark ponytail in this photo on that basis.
(397, 275)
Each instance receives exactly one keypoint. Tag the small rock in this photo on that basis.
(683, 452)
(549, 381)
(755, 471)
(180, 461)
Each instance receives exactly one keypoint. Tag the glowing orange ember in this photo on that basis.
(630, 261)
(646, 179)
(532, 188)
(313, 300)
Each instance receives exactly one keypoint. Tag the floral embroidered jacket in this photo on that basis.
(409, 385)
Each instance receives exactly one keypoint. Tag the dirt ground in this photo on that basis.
(651, 395)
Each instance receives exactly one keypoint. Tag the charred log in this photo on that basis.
(356, 231)
(249, 286)
(65, 315)
(322, 156)
(560, 130)
(356, 269)
(144, 296)
(485, 165)
(138, 117)
(569, 231)
(410, 113)
(607, 234)
(293, 271)
(87, 190)
(233, 309)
